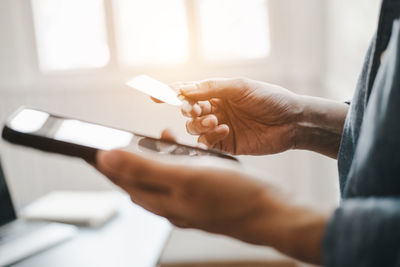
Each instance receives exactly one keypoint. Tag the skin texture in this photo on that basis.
(255, 118)
(241, 116)
(238, 116)
(191, 197)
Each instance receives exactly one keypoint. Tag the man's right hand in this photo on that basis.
(247, 117)
(241, 116)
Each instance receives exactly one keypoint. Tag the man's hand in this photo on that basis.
(218, 201)
(242, 116)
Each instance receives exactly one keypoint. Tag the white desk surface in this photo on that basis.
(115, 243)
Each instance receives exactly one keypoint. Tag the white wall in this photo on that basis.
(351, 25)
(304, 54)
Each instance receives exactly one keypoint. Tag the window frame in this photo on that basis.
(282, 64)
(194, 43)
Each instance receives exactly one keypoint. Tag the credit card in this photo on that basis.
(155, 88)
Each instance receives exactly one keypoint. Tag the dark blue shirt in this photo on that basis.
(365, 229)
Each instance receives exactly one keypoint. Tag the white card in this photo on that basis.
(154, 88)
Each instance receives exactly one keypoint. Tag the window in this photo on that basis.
(72, 34)
(151, 31)
(234, 29)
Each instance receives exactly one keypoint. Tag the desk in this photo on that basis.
(196, 248)
(118, 243)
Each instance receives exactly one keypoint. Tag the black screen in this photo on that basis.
(7, 212)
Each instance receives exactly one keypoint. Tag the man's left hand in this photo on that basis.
(218, 201)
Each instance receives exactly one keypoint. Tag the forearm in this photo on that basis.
(320, 125)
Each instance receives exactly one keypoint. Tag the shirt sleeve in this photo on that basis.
(365, 229)
(364, 232)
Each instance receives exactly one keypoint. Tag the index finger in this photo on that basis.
(225, 88)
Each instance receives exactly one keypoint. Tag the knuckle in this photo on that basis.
(203, 103)
(213, 117)
(196, 110)
(206, 107)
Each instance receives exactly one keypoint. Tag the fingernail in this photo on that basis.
(187, 88)
(206, 122)
(203, 143)
(108, 159)
(203, 146)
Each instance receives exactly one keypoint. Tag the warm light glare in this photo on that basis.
(70, 34)
(234, 29)
(29, 120)
(151, 31)
(92, 135)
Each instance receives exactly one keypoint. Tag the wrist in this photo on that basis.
(319, 125)
(304, 235)
(297, 232)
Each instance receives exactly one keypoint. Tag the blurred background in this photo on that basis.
(72, 58)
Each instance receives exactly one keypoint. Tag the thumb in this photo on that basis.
(124, 168)
(214, 88)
